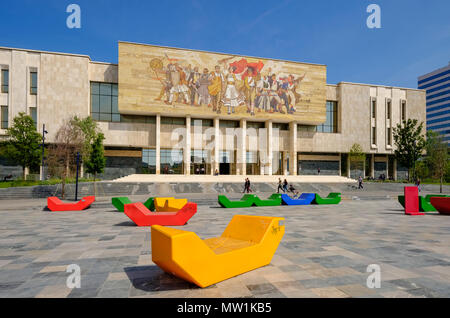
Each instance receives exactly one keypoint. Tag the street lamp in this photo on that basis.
(43, 149)
(414, 158)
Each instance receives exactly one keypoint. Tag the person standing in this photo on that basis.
(318, 171)
(360, 183)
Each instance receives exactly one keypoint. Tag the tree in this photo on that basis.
(62, 155)
(410, 143)
(23, 143)
(357, 156)
(437, 155)
(96, 162)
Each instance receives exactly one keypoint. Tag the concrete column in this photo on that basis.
(268, 170)
(216, 145)
(27, 172)
(340, 164)
(158, 144)
(293, 160)
(285, 163)
(242, 150)
(187, 147)
(387, 167)
(372, 166)
(395, 169)
(348, 166)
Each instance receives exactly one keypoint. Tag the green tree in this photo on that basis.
(96, 162)
(410, 143)
(357, 157)
(23, 144)
(437, 155)
(90, 133)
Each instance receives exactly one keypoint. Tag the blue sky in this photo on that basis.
(414, 38)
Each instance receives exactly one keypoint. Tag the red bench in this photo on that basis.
(412, 201)
(55, 204)
(442, 205)
(142, 216)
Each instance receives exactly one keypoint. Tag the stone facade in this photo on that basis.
(64, 91)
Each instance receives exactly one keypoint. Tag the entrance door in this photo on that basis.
(225, 168)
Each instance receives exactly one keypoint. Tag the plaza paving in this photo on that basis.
(324, 253)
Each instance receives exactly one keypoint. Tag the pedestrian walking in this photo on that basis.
(418, 184)
(360, 183)
(318, 171)
(280, 186)
(285, 185)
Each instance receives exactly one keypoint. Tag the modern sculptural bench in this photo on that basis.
(442, 204)
(424, 202)
(248, 242)
(273, 200)
(332, 198)
(304, 199)
(245, 202)
(412, 201)
(142, 216)
(56, 205)
(119, 203)
(169, 204)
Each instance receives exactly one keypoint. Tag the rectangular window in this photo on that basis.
(331, 123)
(33, 83)
(171, 161)
(403, 110)
(173, 121)
(374, 108)
(202, 122)
(5, 81)
(149, 161)
(33, 114)
(374, 135)
(104, 102)
(255, 125)
(4, 117)
(280, 126)
(229, 124)
(388, 109)
(389, 137)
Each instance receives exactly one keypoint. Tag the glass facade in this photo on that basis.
(33, 114)
(104, 102)
(149, 161)
(5, 81)
(331, 124)
(4, 117)
(200, 161)
(33, 83)
(252, 163)
(172, 161)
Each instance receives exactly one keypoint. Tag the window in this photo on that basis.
(202, 122)
(374, 108)
(104, 102)
(33, 83)
(389, 137)
(403, 110)
(171, 161)
(374, 135)
(388, 109)
(306, 128)
(5, 81)
(330, 126)
(33, 114)
(255, 125)
(173, 121)
(229, 124)
(200, 161)
(280, 126)
(4, 117)
(149, 161)
(138, 119)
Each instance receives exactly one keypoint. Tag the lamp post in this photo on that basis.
(78, 168)
(43, 151)
(414, 158)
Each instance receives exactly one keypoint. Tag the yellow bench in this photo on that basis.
(169, 204)
(248, 242)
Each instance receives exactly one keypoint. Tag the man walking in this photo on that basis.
(360, 183)
(280, 186)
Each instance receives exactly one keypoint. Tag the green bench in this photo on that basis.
(273, 200)
(245, 202)
(332, 198)
(424, 202)
(119, 203)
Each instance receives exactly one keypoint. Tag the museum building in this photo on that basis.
(309, 125)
